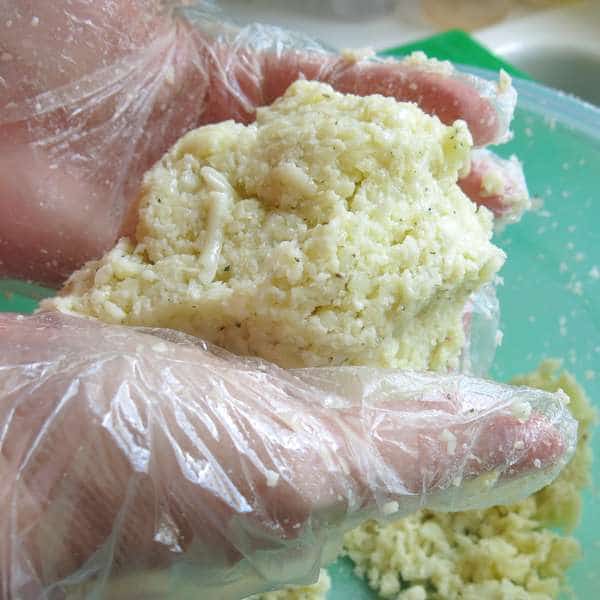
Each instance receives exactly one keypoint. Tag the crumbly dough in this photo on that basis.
(502, 553)
(331, 231)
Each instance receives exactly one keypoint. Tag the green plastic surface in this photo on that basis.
(551, 252)
(457, 47)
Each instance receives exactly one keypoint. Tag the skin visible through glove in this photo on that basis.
(105, 444)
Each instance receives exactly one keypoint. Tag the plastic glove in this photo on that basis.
(143, 460)
(497, 184)
(93, 93)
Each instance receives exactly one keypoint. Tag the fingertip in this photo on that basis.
(543, 445)
(472, 186)
(519, 448)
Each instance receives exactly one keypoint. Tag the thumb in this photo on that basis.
(449, 442)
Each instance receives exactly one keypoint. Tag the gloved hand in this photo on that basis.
(93, 93)
(142, 460)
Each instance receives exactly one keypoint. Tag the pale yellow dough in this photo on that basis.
(316, 591)
(331, 231)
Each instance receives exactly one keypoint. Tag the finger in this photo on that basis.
(72, 157)
(486, 107)
(518, 446)
(46, 45)
(497, 184)
(437, 433)
(145, 452)
(47, 216)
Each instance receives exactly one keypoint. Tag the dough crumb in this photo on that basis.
(316, 591)
(354, 55)
(422, 61)
(450, 439)
(389, 508)
(521, 410)
(272, 478)
(504, 81)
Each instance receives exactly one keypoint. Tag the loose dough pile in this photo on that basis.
(502, 553)
(332, 231)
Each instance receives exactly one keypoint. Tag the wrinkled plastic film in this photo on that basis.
(267, 39)
(131, 453)
(123, 454)
(503, 97)
(481, 319)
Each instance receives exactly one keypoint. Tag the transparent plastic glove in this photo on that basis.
(497, 184)
(481, 324)
(144, 460)
(93, 93)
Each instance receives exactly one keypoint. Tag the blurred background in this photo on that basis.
(556, 42)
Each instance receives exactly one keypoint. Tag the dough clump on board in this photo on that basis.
(330, 231)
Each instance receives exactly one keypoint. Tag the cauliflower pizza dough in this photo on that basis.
(331, 231)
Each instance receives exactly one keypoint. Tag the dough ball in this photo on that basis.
(330, 231)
